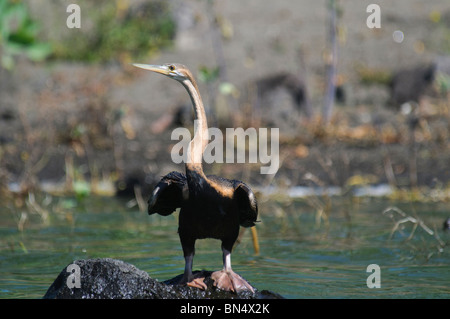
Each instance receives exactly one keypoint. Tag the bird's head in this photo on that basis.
(175, 71)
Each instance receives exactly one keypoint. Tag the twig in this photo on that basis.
(331, 73)
(389, 171)
(31, 203)
(139, 199)
(415, 221)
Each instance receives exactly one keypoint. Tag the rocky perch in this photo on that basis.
(108, 278)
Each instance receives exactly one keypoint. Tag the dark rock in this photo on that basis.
(411, 84)
(114, 279)
(126, 186)
(293, 84)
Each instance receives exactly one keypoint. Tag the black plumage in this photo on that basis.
(172, 192)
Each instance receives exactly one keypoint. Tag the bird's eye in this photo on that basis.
(171, 68)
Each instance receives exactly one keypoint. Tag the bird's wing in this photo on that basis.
(248, 207)
(168, 194)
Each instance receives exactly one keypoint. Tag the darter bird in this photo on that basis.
(210, 206)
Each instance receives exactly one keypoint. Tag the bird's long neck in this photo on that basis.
(200, 139)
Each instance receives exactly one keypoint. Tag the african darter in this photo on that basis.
(211, 206)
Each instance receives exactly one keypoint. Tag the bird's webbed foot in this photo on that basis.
(230, 281)
(194, 281)
(198, 283)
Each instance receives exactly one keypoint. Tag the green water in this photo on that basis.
(303, 254)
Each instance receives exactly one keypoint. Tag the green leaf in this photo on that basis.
(7, 62)
(81, 188)
(18, 34)
(13, 48)
(208, 74)
(38, 51)
(227, 88)
(69, 203)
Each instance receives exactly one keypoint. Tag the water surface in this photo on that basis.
(317, 247)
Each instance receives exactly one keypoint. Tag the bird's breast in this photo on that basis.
(203, 217)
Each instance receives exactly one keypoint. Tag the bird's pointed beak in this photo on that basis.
(155, 68)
